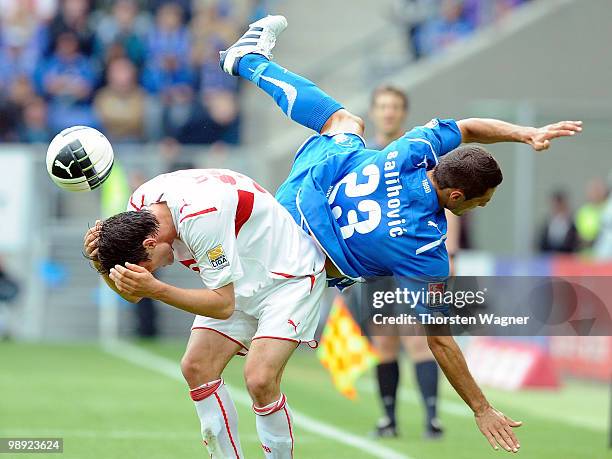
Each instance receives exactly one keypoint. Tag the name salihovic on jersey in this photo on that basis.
(393, 187)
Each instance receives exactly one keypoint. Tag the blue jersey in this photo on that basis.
(374, 212)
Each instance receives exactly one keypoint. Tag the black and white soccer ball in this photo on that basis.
(79, 158)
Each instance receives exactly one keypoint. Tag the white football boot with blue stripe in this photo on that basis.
(259, 39)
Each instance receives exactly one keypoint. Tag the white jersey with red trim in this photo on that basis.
(230, 229)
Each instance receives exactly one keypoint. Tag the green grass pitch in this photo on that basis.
(106, 407)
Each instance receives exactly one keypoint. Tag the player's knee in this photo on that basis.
(196, 371)
(261, 386)
(344, 121)
(358, 123)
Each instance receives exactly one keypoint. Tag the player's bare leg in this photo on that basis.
(263, 372)
(343, 122)
(205, 358)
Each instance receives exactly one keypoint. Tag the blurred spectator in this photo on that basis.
(120, 105)
(588, 216)
(603, 244)
(22, 91)
(123, 33)
(67, 80)
(73, 16)
(181, 111)
(185, 5)
(210, 118)
(413, 15)
(559, 233)
(213, 29)
(37, 10)
(12, 102)
(210, 77)
(389, 109)
(9, 118)
(168, 52)
(222, 124)
(450, 26)
(34, 125)
(19, 54)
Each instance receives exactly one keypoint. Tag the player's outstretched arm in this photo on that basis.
(90, 250)
(135, 280)
(492, 423)
(481, 130)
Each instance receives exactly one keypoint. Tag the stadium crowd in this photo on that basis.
(431, 25)
(139, 70)
(147, 70)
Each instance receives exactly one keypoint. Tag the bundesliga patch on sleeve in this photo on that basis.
(217, 257)
(435, 293)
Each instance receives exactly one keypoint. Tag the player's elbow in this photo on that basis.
(466, 127)
(225, 303)
(226, 313)
(226, 308)
(129, 298)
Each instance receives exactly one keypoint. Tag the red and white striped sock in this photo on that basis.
(218, 418)
(275, 428)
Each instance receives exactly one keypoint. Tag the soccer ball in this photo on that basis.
(79, 158)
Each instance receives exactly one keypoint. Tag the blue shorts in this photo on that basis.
(316, 149)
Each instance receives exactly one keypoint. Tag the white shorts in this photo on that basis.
(288, 309)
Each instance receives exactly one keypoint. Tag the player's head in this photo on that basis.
(467, 178)
(132, 237)
(388, 110)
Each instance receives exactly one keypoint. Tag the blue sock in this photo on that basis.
(427, 378)
(300, 99)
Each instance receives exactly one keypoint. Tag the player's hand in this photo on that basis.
(90, 242)
(539, 138)
(134, 280)
(498, 429)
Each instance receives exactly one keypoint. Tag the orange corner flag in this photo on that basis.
(343, 350)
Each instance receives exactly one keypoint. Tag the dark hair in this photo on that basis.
(383, 89)
(469, 168)
(121, 238)
(559, 196)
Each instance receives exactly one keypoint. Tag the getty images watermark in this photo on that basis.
(490, 306)
(432, 298)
